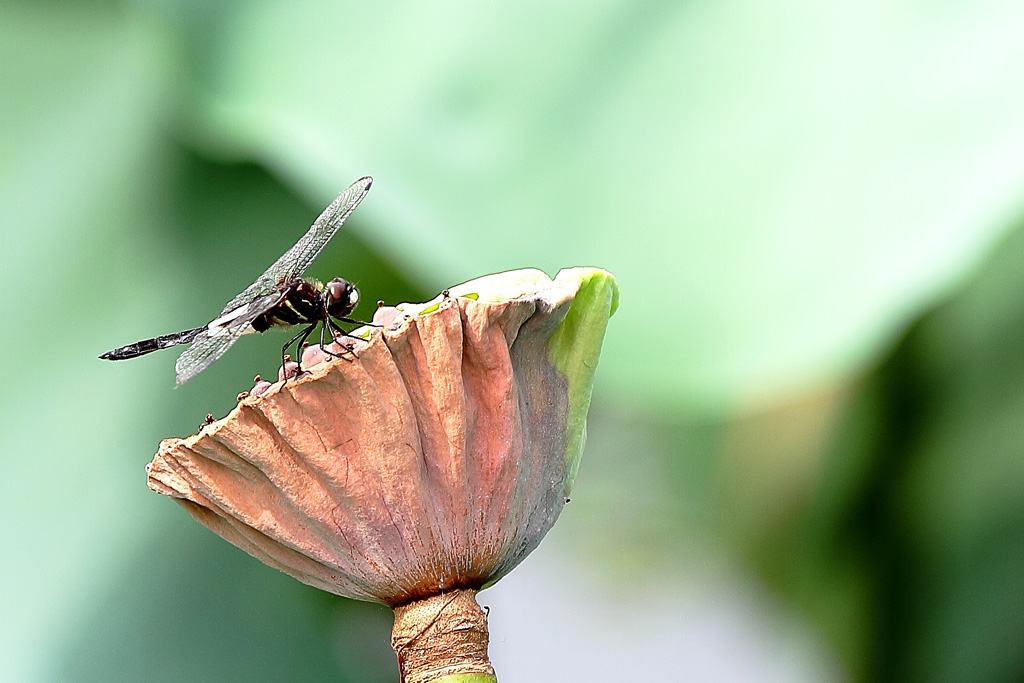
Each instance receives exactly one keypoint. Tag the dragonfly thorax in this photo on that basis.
(307, 301)
(301, 304)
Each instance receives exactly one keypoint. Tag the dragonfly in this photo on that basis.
(280, 297)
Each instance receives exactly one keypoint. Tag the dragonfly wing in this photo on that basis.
(293, 263)
(220, 335)
(201, 354)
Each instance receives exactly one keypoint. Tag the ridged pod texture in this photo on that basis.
(435, 460)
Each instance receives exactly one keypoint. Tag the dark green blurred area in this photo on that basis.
(911, 552)
(816, 376)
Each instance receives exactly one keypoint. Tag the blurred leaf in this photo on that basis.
(962, 493)
(780, 188)
(911, 557)
(192, 608)
(80, 109)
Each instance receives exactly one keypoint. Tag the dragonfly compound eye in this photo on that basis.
(342, 297)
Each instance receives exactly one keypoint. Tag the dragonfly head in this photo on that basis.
(341, 296)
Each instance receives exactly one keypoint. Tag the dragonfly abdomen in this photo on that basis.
(145, 346)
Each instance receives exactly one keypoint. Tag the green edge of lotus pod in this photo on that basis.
(575, 348)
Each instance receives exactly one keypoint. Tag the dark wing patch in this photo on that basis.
(293, 263)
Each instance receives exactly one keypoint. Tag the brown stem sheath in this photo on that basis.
(440, 636)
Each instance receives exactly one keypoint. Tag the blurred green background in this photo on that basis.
(806, 448)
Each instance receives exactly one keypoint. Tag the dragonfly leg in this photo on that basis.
(300, 337)
(323, 341)
(335, 332)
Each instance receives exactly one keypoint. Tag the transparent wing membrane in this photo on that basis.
(213, 342)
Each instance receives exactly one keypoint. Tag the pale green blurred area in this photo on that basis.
(814, 381)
